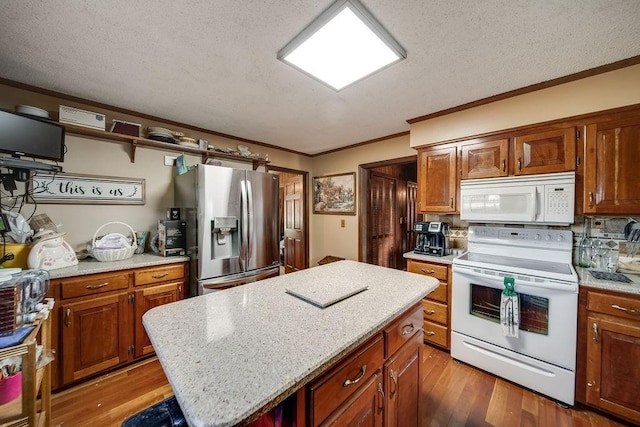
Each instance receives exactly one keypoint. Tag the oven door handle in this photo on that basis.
(477, 273)
(534, 203)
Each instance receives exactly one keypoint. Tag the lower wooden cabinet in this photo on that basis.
(610, 331)
(436, 308)
(97, 323)
(145, 300)
(364, 408)
(95, 336)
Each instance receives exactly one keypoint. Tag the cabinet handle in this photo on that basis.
(590, 384)
(363, 369)
(101, 285)
(395, 384)
(625, 309)
(430, 333)
(590, 199)
(427, 271)
(67, 318)
(429, 312)
(595, 333)
(504, 165)
(451, 203)
(407, 329)
(159, 276)
(180, 289)
(519, 164)
(381, 404)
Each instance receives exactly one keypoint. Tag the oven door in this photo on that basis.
(548, 317)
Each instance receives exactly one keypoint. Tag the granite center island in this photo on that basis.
(236, 354)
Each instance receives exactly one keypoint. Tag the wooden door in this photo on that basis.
(403, 376)
(365, 408)
(613, 372)
(545, 152)
(437, 181)
(295, 257)
(96, 335)
(412, 217)
(611, 174)
(383, 221)
(145, 300)
(487, 159)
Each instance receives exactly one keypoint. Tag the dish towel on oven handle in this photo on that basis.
(509, 310)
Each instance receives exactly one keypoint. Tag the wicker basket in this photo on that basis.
(113, 254)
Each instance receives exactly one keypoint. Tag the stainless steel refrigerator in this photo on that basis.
(232, 226)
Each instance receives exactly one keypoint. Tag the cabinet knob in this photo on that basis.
(430, 333)
(590, 384)
(429, 312)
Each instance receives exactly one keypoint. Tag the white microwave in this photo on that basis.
(540, 199)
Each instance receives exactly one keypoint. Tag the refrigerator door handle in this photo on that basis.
(251, 219)
(244, 218)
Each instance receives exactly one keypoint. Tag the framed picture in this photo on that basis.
(335, 194)
(69, 188)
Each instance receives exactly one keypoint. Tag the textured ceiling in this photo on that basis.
(213, 64)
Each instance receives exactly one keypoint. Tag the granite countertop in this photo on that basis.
(232, 353)
(447, 259)
(586, 279)
(91, 266)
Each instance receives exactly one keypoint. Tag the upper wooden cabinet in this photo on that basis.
(437, 179)
(545, 152)
(532, 153)
(486, 159)
(610, 170)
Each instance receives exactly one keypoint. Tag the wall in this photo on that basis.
(100, 157)
(597, 93)
(326, 235)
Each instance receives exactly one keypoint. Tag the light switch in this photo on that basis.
(342, 223)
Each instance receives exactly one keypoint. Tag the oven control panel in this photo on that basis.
(528, 237)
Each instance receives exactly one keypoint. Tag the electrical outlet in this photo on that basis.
(342, 223)
(169, 160)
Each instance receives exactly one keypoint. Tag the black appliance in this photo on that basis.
(432, 238)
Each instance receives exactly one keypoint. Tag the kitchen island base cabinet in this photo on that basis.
(365, 388)
(611, 334)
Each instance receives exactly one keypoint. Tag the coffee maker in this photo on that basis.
(432, 238)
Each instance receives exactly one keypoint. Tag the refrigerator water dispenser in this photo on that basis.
(225, 237)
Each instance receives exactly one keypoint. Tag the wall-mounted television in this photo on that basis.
(25, 136)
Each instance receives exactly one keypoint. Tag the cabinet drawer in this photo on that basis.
(93, 284)
(401, 331)
(158, 274)
(436, 334)
(441, 293)
(615, 305)
(339, 383)
(432, 270)
(435, 312)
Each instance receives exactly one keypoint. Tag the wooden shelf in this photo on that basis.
(23, 410)
(159, 145)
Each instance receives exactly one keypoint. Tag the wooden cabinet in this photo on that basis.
(611, 154)
(28, 409)
(377, 384)
(145, 300)
(537, 152)
(94, 335)
(437, 179)
(403, 385)
(545, 152)
(484, 159)
(99, 317)
(436, 308)
(610, 332)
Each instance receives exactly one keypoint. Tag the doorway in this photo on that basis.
(387, 203)
(294, 219)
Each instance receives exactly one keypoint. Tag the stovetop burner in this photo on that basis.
(604, 275)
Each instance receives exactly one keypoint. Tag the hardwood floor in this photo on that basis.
(455, 394)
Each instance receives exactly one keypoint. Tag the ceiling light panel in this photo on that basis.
(343, 45)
